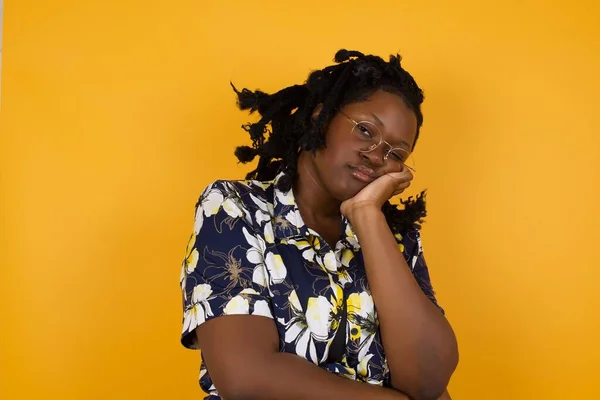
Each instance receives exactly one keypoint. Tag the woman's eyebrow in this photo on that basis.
(377, 120)
(402, 143)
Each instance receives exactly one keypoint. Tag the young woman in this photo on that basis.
(303, 281)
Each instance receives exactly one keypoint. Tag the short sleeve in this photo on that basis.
(410, 244)
(223, 270)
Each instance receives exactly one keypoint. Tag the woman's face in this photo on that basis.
(343, 167)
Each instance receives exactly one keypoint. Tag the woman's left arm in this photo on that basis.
(419, 343)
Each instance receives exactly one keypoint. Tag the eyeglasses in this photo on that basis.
(369, 137)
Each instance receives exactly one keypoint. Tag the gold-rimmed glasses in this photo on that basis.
(369, 137)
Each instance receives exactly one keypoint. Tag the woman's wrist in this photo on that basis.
(365, 213)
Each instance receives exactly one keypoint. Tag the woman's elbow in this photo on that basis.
(431, 383)
(239, 389)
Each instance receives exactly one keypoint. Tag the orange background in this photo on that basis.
(115, 115)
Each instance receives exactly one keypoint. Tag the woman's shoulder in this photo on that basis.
(239, 187)
(244, 194)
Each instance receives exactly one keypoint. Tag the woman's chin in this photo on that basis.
(349, 191)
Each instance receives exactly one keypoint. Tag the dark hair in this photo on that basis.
(287, 118)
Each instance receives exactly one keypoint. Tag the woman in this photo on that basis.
(304, 282)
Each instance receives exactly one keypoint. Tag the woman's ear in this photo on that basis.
(316, 111)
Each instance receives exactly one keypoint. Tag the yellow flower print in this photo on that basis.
(191, 255)
(256, 255)
(263, 213)
(363, 366)
(307, 252)
(329, 263)
(262, 185)
(261, 307)
(210, 203)
(355, 332)
(344, 277)
(337, 301)
(189, 263)
(351, 236)
(354, 302)
(399, 240)
(199, 308)
(268, 234)
(347, 256)
(286, 198)
(317, 317)
(276, 267)
(237, 305)
(294, 218)
(361, 313)
(232, 209)
(304, 330)
(315, 242)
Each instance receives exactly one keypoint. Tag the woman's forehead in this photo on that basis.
(380, 101)
(389, 113)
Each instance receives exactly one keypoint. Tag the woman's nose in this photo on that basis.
(375, 157)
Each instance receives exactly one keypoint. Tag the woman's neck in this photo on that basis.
(313, 200)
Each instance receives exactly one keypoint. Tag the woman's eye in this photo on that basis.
(364, 131)
(396, 157)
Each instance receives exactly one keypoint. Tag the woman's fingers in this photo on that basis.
(404, 175)
(401, 187)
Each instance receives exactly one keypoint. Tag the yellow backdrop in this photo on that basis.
(116, 113)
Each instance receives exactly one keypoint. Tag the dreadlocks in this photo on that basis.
(287, 118)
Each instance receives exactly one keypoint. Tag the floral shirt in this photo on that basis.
(251, 253)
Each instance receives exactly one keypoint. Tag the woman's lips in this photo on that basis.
(363, 174)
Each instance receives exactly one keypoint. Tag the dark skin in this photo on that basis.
(419, 343)
(324, 180)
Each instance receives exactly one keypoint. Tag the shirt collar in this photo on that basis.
(288, 222)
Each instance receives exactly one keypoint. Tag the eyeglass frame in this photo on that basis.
(391, 148)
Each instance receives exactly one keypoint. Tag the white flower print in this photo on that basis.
(255, 254)
(347, 256)
(196, 314)
(419, 252)
(189, 263)
(308, 253)
(364, 370)
(232, 209)
(262, 214)
(234, 264)
(201, 294)
(182, 280)
(240, 304)
(237, 305)
(329, 262)
(294, 218)
(351, 236)
(272, 262)
(192, 255)
(268, 234)
(286, 198)
(276, 268)
(362, 317)
(318, 312)
(261, 307)
(303, 330)
(210, 203)
(344, 277)
(262, 185)
(297, 331)
(233, 204)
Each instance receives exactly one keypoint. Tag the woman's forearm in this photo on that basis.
(284, 375)
(419, 343)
